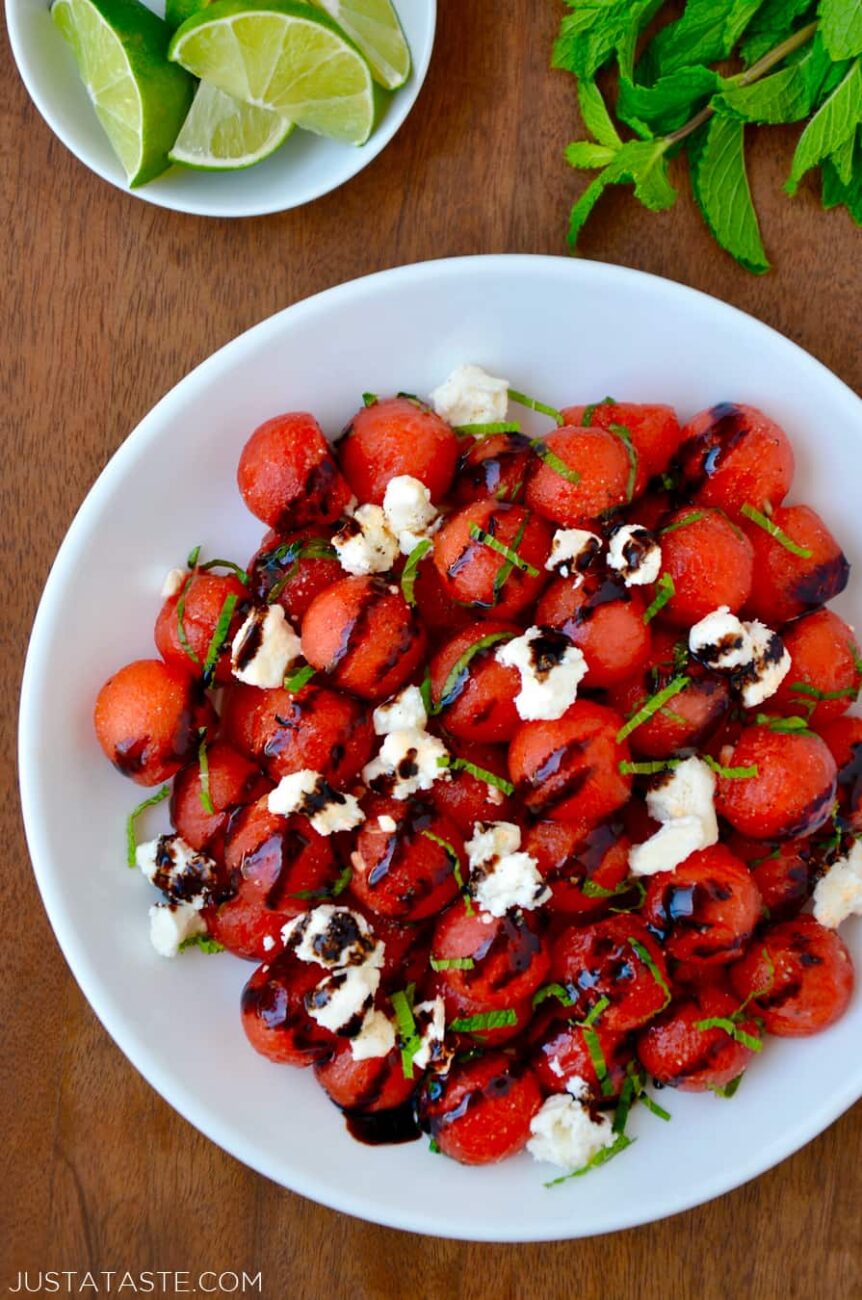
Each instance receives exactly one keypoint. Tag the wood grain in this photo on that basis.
(108, 302)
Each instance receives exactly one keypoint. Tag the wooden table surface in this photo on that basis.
(107, 302)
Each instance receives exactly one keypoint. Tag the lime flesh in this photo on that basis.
(374, 26)
(223, 134)
(283, 56)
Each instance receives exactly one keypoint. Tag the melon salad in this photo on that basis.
(520, 767)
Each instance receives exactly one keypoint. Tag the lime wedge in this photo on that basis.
(223, 134)
(121, 47)
(284, 56)
(177, 11)
(374, 26)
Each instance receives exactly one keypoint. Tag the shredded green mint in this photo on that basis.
(202, 941)
(487, 539)
(482, 774)
(554, 462)
(295, 681)
(131, 822)
(600, 1158)
(219, 636)
(665, 590)
(452, 963)
(692, 517)
(458, 672)
(408, 574)
(763, 521)
(730, 773)
(652, 705)
(489, 428)
(204, 769)
(646, 958)
(521, 399)
(486, 1020)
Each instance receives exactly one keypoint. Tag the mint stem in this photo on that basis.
(754, 73)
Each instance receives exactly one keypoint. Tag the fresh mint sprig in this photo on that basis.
(678, 90)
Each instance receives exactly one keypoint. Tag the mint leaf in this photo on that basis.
(596, 30)
(785, 96)
(720, 186)
(667, 105)
(835, 191)
(595, 115)
(775, 20)
(587, 155)
(643, 163)
(842, 160)
(829, 128)
(707, 31)
(841, 25)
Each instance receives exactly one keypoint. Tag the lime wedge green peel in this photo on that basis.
(177, 11)
(223, 134)
(374, 26)
(141, 100)
(282, 56)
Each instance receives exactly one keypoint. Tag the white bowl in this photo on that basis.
(566, 331)
(305, 167)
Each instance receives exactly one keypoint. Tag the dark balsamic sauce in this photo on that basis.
(384, 1127)
(702, 455)
(823, 582)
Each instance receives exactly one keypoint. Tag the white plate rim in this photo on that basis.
(187, 1103)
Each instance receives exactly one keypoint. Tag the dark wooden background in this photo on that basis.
(106, 303)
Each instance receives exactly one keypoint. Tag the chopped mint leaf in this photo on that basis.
(764, 522)
(647, 959)
(452, 963)
(240, 574)
(600, 1158)
(773, 23)
(457, 674)
(652, 705)
(181, 615)
(487, 539)
(131, 820)
(204, 769)
(720, 186)
(691, 518)
(625, 437)
(831, 126)
(665, 591)
(408, 574)
(552, 991)
(300, 678)
(594, 32)
(733, 1030)
(202, 941)
(219, 636)
(786, 96)
(555, 462)
(368, 399)
(504, 572)
(488, 428)
(409, 1040)
(730, 773)
(532, 404)
(453, 857)
(486, 1020)
(482, 774)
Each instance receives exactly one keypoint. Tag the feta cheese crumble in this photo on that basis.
(838, 894)
(430, 1021)
(551, 669)
(634, 553)
(342, 942)
(770, 664)
(179, 871)
(409, 512)
(171, 924)
(571, 551)
(264, 648)
(565, 1134)
(501, 877)
(404, 712)
(721, 641)
(471, 396)
(173, 583)
(375, 1038)
(756, 656)
(310, 795)
(409, 761)
(683, 803)
(365, 543)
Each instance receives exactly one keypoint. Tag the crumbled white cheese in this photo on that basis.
(752, 652)
(471, 396)
(409, 512)
(173, 583)
(337, 1001)
(501, 877)
(310, 795)
(366, 544)
(406, 712)
(683, 803)
(430, 1021)
(334, 937)
(492, 840)
(721, 641)
(412, 759)
(838, 894)
(268, 943)
(179, 871)
(387, 824)
(551, 669)
(565, 1134)
(275, 644)
(577, 1087)
(571, 551)
(634, 553)
(770, 664)
(376, 1037)
(171, 924)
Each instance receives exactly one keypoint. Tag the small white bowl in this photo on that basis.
(564, 331)
(305, 167)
